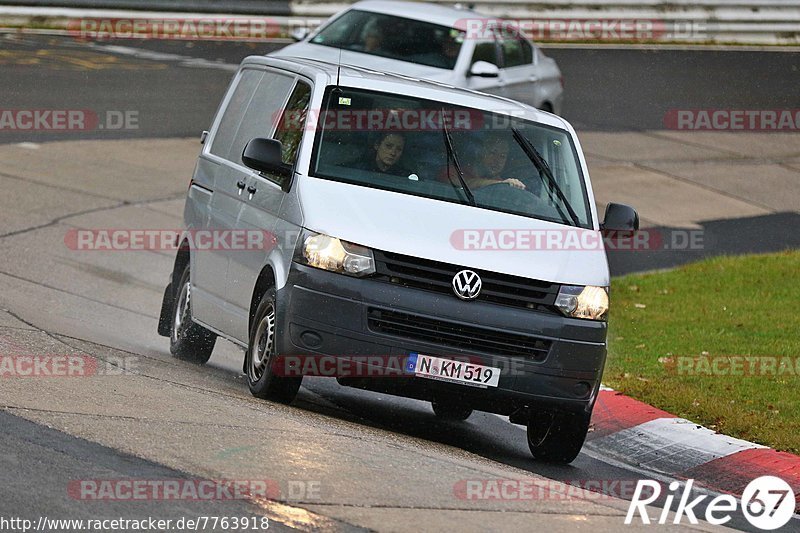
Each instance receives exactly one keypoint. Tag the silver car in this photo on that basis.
(443, 239)
(455, 46)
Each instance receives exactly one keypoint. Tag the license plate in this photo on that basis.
(426, 366)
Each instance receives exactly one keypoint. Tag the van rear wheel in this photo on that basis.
(187, 339)
(557, 436)
(261, 355)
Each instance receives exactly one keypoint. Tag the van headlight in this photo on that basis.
(329, 253)
(583, 302)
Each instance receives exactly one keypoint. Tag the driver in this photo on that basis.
(489, 165)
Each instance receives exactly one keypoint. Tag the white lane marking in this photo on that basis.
(670, 445)
(185, 61)
(29, 145)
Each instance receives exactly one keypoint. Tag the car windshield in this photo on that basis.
(400, 143)
(393, 37)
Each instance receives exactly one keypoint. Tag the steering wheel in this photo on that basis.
(504, 195)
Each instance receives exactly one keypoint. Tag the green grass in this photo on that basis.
(727, 306)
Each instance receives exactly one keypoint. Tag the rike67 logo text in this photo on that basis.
(767, 502)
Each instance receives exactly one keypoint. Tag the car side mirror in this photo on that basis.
(620, 217)
(484, 69)
(298, 34)
(264, 155)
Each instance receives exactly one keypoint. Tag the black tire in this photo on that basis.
(450, 411)
(260, 357)
(188, 340)
(557, 437)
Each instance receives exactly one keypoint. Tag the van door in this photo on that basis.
(272, 113)
(213, 205)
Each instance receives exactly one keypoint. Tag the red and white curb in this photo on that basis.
(635, 433)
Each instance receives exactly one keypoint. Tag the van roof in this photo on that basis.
(326, 73)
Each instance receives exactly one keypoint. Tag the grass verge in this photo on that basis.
(715, 342)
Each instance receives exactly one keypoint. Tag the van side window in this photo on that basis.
(263, 112)
(293, 121)
(233, 113)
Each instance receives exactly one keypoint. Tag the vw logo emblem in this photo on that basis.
(467, 284)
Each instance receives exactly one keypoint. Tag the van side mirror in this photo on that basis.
(298, 34)
(264, 155)
(484, 69)
(620, 217)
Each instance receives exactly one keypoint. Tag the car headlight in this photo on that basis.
(329, 253)
(583, 302)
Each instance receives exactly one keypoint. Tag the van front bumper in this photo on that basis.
(322, 313)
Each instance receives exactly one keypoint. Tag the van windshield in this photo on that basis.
(450, 153)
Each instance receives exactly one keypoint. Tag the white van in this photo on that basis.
(444, 240)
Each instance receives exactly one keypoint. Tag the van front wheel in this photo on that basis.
(556, 436)
(261, 354)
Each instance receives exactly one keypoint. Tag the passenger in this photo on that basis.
(384, 157)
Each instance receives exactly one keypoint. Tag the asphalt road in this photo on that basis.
(113, 301)
(606, 89)
(38, 462)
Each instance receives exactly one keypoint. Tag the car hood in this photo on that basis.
(349, 57)
(452, 233)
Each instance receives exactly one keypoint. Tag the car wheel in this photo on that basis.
(187, 339)
(449, 411)
(557, 437)
(260, 358)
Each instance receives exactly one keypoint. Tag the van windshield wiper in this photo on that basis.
(544, 169)
(451, 153)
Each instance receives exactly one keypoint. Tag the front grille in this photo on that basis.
(455, 335)
(437, 276)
